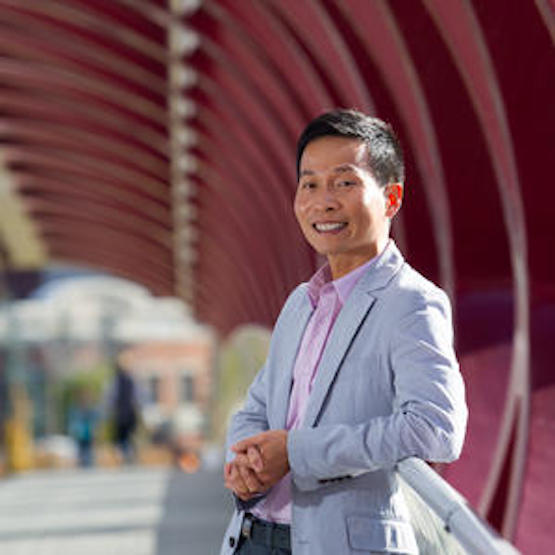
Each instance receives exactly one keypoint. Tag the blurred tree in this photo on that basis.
(239, 359)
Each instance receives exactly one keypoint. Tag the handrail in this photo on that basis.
(472, 533)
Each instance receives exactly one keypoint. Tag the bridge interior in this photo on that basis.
(154, 140)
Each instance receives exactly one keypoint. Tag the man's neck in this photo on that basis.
(343, 263)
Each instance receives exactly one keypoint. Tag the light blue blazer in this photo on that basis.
(388, 387)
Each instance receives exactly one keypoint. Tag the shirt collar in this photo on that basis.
(343, 285)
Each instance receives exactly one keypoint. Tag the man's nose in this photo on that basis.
(327, 199)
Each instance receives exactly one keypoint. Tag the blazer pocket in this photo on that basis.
(378, 534)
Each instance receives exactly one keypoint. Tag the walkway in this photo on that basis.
(129, 511)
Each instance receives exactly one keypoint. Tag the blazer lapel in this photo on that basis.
(349, 320)
(344, 331)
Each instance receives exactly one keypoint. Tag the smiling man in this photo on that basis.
(361, 371)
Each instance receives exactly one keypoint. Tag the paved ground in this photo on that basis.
(135, 511)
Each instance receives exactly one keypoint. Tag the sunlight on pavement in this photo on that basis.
(107, 511)
(82, 512)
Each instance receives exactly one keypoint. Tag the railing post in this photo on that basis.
(472, 533)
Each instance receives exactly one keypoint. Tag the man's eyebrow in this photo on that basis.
(345, 168)
(306, 172)
(339, 169)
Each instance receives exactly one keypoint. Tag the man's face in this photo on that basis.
(341, 209)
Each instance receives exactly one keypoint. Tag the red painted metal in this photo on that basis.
(467, 84)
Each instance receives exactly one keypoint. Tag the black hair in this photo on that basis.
(385, 156)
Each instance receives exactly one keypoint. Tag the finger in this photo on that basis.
(237, 481)
(254, 457)
(244, 444)
(229, 476)
(247, 475)
(254, 485)
(247, 479)
(244, 496)
(229, 484)
(250, 480)
(241, 446)
(233, 475)
(241, 460)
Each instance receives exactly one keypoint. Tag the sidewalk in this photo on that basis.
(128, 511)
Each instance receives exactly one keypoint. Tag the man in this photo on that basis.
(360, 373)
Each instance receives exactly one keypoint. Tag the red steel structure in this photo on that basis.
(468, 84)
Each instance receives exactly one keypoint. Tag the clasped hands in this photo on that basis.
(260, 462)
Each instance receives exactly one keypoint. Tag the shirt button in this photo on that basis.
(231, 542)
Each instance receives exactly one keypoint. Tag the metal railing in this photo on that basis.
(472, 533)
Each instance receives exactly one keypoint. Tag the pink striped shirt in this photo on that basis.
(327, 298)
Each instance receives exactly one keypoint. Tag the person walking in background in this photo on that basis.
(124, 406)
(83, 420)
(361, 370)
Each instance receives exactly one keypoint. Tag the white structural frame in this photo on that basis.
(472, 533)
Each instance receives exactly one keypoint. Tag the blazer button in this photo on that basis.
(231, 541)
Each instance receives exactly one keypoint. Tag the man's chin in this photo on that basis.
(326, 251)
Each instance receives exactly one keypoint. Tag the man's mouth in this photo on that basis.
(329, 227)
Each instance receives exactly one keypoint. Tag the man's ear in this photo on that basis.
(393, 198)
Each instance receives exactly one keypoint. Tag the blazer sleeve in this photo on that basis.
(249, 421)
(429, 411)
(252, 418)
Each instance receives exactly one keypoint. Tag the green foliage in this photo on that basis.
(239, 360)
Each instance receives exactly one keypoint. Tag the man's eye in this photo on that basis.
(346, 183)
(308, 185)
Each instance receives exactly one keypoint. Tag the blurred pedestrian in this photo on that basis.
(124, 406)
(83, 419)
